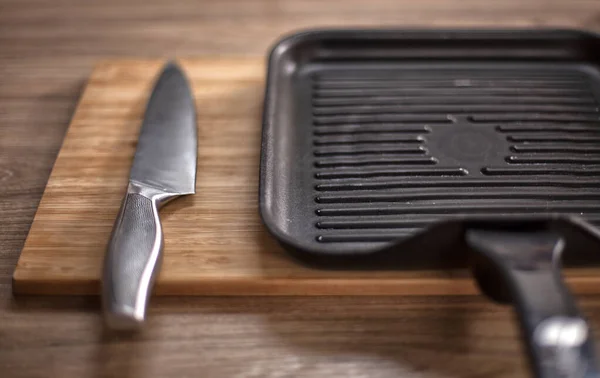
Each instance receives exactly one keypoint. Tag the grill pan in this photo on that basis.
(387, 149)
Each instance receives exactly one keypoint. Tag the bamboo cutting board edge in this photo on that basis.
(214, 241)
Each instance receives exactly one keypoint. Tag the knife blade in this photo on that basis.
(164, 168)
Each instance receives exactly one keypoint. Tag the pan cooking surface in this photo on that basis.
(371, 137)
(397, 149)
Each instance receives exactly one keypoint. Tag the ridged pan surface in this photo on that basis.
(373, 136)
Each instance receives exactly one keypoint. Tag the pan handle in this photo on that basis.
(523, 267)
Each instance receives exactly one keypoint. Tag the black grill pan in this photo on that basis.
(442, 149)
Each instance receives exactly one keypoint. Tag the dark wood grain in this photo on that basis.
(48, 48)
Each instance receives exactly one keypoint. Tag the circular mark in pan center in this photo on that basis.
(470, 144)
(466, 144)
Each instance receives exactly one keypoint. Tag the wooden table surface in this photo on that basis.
(48, 48)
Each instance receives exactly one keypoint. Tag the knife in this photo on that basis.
(164, 168)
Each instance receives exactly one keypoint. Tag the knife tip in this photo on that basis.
(172, 65)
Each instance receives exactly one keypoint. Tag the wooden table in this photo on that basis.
(47, 49)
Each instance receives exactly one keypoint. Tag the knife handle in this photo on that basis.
(133, 258)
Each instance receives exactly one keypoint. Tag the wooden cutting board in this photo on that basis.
(215, 243)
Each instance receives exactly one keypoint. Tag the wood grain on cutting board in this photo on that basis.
(215, 243)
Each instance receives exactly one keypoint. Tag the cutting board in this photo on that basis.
(215, 243)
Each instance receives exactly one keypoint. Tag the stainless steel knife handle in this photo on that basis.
(133, 258)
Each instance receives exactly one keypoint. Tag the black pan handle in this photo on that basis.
(523, 267)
